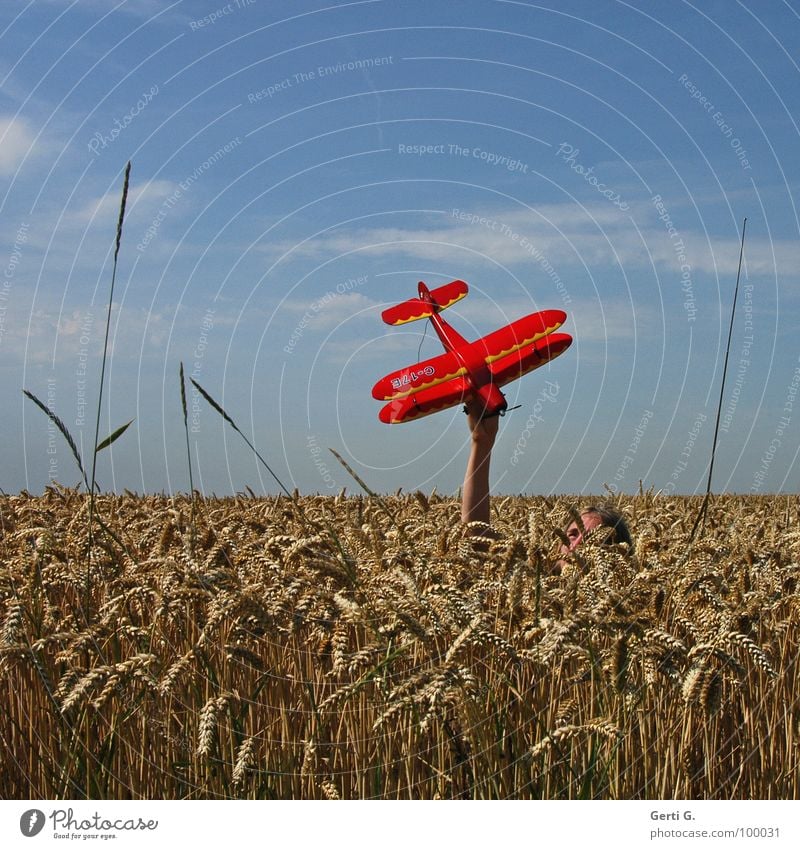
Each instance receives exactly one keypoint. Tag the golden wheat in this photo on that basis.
(356, 647)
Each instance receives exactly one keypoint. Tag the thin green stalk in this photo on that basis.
(64, 432)
(102, 381)
(76, 453)
(232, 423)
(188, 457)
(383, 505)
(702, 514)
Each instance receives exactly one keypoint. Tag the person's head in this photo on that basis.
(596, 516)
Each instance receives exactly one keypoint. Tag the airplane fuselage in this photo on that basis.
(467, 371)
(471, 357)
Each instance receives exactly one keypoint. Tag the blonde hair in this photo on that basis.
(610, 517)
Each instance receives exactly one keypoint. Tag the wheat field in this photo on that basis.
(360, 647)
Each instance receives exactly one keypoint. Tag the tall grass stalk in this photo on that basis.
(188, 455)
(703, 510)
(76, 454)
(120, 221)
(64, 432)
(232, 423)
(364, 486)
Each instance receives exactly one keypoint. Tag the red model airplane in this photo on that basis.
(478, 368)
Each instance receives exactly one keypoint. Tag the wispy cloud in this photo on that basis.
(560, 235)
(586, 317)
(77, 335)
(332, 309)
(142, 199)
(16, 141)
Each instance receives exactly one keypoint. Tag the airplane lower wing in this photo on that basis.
(515, 365)
(425, 402)
(448, 392)
(420, 376)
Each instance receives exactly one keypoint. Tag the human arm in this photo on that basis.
(475, 492)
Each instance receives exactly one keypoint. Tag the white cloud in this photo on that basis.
(16, 141)
(332, 308)
(560, 236)
(142, 198)
(585, 318)
(479, 314)
(67, 336)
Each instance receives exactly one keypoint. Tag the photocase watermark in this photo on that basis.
(689, 303)
(630, 455)
(719, 119)
(785, 420)
(212, 17)
(548, 395)
(317, 456)
(683, 463)
(524, 243)
(65, 824)
(744, 359)
(32, 822)
(318, 305)
(184, 187)
(206, 326)
(315, 74)
(9, 273)
(569, 155)
(80, 372)
(100, 141)
(497, 160)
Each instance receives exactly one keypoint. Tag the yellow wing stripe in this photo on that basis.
(427, 313)
(453, 301)
(416, 412)
(413, 318)
(420, 386)
(494, 357)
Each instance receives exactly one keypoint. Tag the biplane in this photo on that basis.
(476, 369)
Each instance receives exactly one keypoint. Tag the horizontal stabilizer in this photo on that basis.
(416, 308)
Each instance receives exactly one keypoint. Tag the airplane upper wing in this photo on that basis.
(413, 379)
(519, 334)
(518, 363)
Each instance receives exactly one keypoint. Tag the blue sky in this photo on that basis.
(297, 167)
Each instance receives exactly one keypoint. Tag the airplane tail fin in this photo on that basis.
(427, 303)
